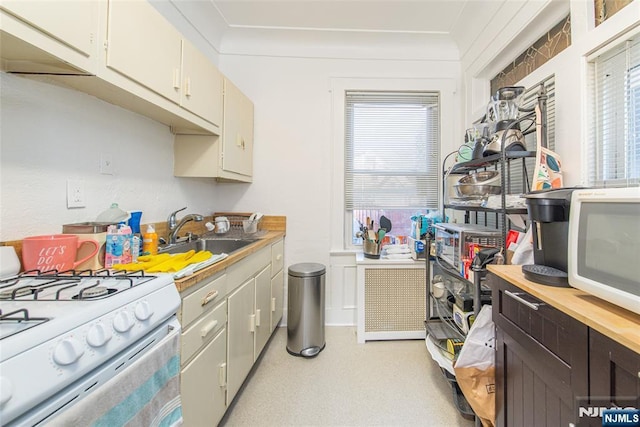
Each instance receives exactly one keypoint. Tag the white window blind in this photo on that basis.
(614, 143)
(392, 142)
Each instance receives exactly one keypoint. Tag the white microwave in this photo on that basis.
(604, 243)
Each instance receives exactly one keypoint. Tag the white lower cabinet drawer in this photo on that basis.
(201, 300)
(203, 384)
(200, 332)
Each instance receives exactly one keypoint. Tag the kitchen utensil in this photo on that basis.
(502, 111)
(371, 235)
(476, 190)
(513, 140)
(250, 226)
(381, 234)
(54, 252)
(482, 177)
(9, 262)
(371, 249)
(222, 224)
(89, 230)
(385, 223)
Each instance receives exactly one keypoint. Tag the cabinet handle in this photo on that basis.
(208, 328)
(273, 305)
(209, 297)
(222, 374)
(278, 257)
(258, 318)
(176, 79)
(252, 323)
(517, 297)
(187, 87)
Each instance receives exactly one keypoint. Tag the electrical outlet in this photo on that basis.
(75, 194)
(106, 164)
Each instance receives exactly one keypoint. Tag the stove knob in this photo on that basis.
(6, 390)
(122, 322)
(143, 311)
(68, 351)
(98, 335)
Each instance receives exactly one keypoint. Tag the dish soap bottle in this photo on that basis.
(150, 241)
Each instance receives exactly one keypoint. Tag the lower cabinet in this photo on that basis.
(551, 369)
(614, 375)
(241, 335)
(541, 360)
(227, 320)
(202, 384)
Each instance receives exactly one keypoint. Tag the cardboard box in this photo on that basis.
(418, 248)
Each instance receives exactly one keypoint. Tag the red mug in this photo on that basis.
(54, 252)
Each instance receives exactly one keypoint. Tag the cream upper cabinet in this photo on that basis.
(201, 85)
(143, 46)
(237, 132)
(227, 158)
(49, 36)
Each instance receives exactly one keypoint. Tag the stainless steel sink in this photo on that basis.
(215, 246)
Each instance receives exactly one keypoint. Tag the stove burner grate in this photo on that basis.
(94, 292)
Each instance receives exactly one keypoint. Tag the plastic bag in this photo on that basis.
(475, 367)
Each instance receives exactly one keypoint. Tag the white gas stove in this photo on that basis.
(60, 332)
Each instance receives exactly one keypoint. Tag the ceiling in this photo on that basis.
(405, 16)
(460, 22)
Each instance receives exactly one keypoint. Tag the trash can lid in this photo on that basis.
(307, 269)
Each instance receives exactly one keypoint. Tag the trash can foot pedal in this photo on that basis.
(308, 352)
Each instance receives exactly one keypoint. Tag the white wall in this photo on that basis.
(569, 67)
(50, 134)
(294, 143)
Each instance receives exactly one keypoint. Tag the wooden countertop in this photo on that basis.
(614, 322)
(186, 282)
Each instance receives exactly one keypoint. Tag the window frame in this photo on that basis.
(593, 165)
(340, 221)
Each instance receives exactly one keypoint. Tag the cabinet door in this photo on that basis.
(240, 329)
(614, 375)
(145, 47)
(541, 360)
(49, 36)
(237, 131)
(202, 85)
(277, 299)
(203, 384)
(263, 310)
(74, 23)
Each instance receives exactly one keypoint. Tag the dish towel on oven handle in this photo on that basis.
(146, 393)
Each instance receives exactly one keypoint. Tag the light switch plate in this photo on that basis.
(75, 194)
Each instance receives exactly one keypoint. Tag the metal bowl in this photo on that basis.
(482, 177)
(476, 190)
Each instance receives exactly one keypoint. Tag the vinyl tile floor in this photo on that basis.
(380, 383)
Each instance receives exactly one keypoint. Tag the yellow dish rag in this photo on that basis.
(165, 263)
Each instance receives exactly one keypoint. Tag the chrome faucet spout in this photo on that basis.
(175, 226)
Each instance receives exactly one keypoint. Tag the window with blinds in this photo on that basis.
(392, 143)
(614, 143)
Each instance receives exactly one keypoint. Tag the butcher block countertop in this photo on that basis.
(614, 322)
(267, 239)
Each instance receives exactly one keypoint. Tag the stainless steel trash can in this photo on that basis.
(305, 315)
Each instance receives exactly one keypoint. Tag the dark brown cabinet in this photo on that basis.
(541, 360)
(553, 370)
(614, 375)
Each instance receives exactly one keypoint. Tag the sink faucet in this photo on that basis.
(175, 226)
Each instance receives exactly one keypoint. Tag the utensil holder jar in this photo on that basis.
(371, 249)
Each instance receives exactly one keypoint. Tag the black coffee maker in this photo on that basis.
(549, 214)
